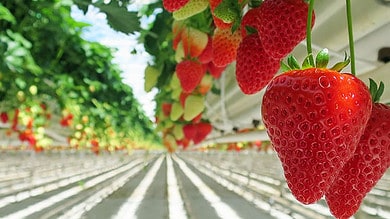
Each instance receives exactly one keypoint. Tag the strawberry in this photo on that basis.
(228, 11)
(225, 44)
(314, 118)
(183, 142)
(189, 131)
(151, 77)
(202, 130)
(368, 164)
(176, 112)
(193, 106)
(166, 108)
(190, 74)
(190, 9)
(179, 53)
(283, 25)
(177, 131)
(207, 55)
(4, 117)
(177, 29)
(15, 120)
(205, 84)
(215, 71)
(174, 5)
(217, 21)
(183, 97)
(254, 68)
(251, 19)
(194, 41)
(197, 118)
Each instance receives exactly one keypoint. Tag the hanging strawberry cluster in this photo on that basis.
(207, 36)
(330, 134)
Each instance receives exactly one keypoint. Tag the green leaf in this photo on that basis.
(306, 62)
(293, 63)
(322, 58)
(119, 18)
(380, 91)
(250, 30)
(20, 83)
(340, 65)
(375, 91)
(5, 14)
(284, 67)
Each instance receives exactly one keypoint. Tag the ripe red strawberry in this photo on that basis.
(4, 117)
(215, 71)
(314, 118)
(189, 131)
(174, 5)
(254, 68)
(202, 130)
(250, 19)
(190, 74)
(225, 44)
(283, 25)
(361, 173)
(194, 41)
(182, 98)
(15, 120)
(207, 55)
(166, 108)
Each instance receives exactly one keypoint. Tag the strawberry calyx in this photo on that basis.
(255, 3)
(376, 91)
(321, 61)
(229, 11)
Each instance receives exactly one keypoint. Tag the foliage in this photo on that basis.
(44, 60)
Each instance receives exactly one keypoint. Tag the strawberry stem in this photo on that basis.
(308, 32)
(350, 36)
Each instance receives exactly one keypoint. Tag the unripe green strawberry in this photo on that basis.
(177, 131)
(176, 111)
(175, 82)
(175, 87)
(193, 7)
(151, 77)
(193, 106)
(179, 53)
(228, 11)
